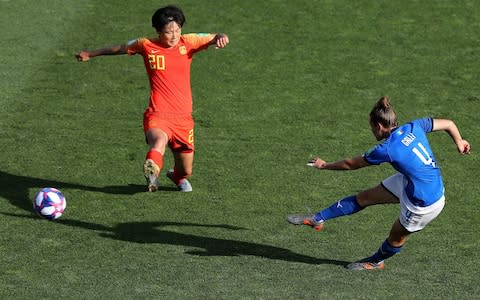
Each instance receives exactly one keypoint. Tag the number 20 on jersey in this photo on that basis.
(157, 62)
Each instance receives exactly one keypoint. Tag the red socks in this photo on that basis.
(176, 178)
(156, 156)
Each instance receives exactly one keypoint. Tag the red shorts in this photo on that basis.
(179, 129)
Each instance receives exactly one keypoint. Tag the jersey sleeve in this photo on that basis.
(425, 123)
(135, 46)
(198, 41)
(377, 154)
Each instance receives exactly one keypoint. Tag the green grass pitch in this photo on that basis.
(298, 79)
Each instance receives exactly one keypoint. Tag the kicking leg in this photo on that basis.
(346, 206)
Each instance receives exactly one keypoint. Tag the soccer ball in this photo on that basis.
(49, 203)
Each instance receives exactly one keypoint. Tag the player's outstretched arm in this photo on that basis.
(220, 40)
(449, 126)
(112, 50)
(345, 164)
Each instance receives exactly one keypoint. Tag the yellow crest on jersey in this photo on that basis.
(183, 50)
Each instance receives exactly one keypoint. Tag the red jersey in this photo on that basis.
(168, 71)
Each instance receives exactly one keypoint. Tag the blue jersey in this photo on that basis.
(407, 149)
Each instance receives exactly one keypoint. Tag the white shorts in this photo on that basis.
(413, 218)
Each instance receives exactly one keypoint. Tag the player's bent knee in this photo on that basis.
(363, 199)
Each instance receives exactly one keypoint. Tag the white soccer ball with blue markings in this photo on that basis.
(49, 203)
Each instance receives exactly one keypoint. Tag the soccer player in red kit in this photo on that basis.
(168, 118)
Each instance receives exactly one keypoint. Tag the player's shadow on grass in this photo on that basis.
(155, 233)
(15, 188)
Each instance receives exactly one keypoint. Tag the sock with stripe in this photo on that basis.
(344, 207)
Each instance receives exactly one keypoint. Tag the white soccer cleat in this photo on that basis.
(305, 219)
(366, 265)
(183, 186)
(151, 171)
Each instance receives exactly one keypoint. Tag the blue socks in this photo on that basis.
(385, 251)
(348, 206)
(344, 207)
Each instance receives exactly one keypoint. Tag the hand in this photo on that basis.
(221, 41)
(83, 56)
(463, 147)
(317, 162)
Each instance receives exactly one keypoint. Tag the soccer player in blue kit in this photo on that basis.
(417, 186)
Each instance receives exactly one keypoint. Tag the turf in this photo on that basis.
(297, 80)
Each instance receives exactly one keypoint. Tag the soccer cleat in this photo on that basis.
(365, 264)
(183, 186)
(305, 219)
(151, 171)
